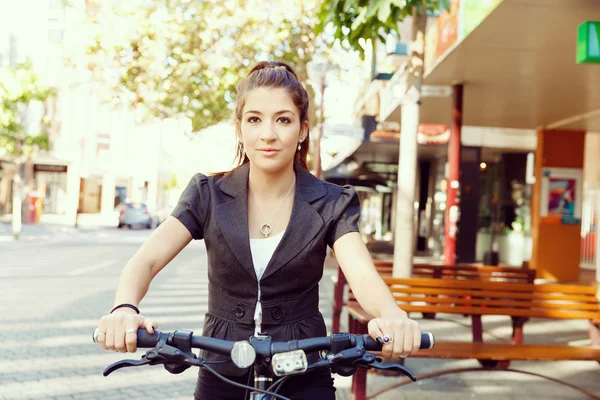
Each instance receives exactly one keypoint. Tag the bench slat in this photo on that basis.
(500, 303)
(493, 351)
(513, 312)
(460, 272)
(364, 317)
(495, 294)
(483, 285)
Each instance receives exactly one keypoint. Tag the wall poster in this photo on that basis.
(561, 195)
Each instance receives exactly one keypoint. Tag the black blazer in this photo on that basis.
(215, 209)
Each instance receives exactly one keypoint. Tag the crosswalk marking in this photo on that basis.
(84, 270)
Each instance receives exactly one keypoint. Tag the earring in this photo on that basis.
(299, 146)
(242, 148)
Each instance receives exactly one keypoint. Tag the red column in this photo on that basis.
(452, 214)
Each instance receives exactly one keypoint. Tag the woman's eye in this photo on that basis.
(284, 120)
(253, 119)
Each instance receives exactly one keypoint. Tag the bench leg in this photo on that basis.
(595, 333)
(338, 300)
(351, 324)
(517, 334)
(477, 331)
(359, 379)
(477, 328)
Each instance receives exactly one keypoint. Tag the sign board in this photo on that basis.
(338, 142)
(343, 130)
(382, 168)
(588, 42)
(49, 168)
(436, 91)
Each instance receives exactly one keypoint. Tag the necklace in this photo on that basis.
(266, 229)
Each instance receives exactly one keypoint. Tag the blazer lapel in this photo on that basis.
(232, 217)
(305, 222)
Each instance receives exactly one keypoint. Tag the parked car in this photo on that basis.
(136, 214)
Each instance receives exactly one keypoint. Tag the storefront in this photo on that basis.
(373, 171)
(51, 184)
(7, 171)
(508, 67)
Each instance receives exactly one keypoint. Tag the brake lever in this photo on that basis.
(394, 367)
(130, 363)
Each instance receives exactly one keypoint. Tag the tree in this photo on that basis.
(352, 22)
(20, 88)
(173, 58)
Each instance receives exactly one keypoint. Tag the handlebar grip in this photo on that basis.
(427, 342)
(144, 339)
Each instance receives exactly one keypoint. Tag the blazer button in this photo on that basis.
(277, 314)
(239, 311)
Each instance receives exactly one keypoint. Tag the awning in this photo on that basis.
(352, 172)
(519, 70)
(49, 159)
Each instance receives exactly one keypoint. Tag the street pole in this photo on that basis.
(452, 200)
(597, 252)
(407, 162)
(318, 167)
(17, 189)
(317, 72)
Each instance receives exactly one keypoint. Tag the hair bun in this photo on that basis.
(273, 65)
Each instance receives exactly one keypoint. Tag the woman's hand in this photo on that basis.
(403, 334)
(118, 331)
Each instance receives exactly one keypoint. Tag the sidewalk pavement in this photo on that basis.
(53, 226)
(491, 384)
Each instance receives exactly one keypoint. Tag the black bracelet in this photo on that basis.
(134, 308)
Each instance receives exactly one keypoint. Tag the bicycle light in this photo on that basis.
(243, 354)
(289, 363)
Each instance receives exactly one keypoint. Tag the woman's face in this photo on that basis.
(271, 129)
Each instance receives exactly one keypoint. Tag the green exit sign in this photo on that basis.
(588, 42)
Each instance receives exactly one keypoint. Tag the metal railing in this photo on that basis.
(590, 229)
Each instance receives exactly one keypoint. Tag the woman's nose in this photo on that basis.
(269, 133)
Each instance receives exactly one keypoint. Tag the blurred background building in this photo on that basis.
(102, 155)
(511, 99)
(99, 155)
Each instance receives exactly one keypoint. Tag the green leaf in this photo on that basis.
(384, 11)
(360, 20)
(183, 58)
(20, 85)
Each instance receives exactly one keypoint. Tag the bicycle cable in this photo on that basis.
(221, 377)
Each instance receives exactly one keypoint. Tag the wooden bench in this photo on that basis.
(476, 298)
(460, 272)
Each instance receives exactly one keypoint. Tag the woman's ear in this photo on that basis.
(303, 131)
(238, 130)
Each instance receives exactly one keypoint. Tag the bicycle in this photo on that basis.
(344, 353)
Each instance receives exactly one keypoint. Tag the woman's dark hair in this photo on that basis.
(273, 74)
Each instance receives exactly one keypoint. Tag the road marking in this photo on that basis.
(80, 271)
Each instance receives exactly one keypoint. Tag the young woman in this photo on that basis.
(266, 226)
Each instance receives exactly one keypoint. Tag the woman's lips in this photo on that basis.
(269, 152)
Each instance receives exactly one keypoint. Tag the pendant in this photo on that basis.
(265, 229)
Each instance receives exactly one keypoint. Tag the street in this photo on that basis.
(58, 287)
(57, 282)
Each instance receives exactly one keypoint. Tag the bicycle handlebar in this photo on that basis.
(220, 346)
(342, 352)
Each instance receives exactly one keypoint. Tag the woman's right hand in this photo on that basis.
(118, 331)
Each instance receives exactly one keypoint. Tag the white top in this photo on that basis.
(262, 250)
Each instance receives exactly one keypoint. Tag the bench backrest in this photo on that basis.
(464, 272)
(562, 301)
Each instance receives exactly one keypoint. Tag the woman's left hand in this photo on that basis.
(403, 334)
